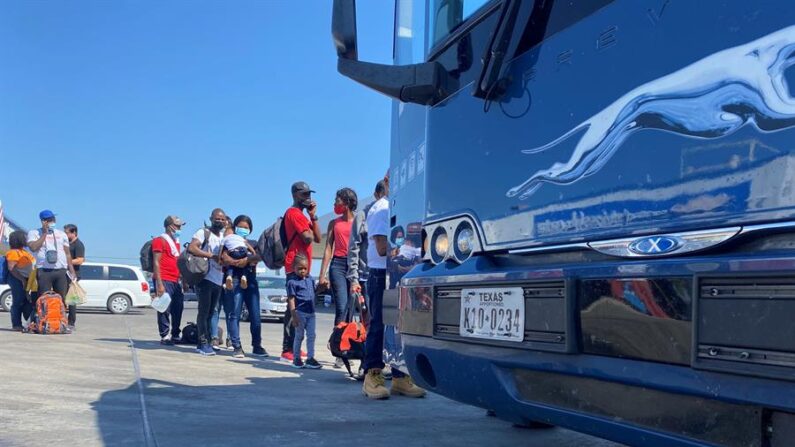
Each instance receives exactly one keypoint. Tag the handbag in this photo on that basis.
(194, 268)
(51, 256)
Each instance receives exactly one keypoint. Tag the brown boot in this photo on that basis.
(373, 386)
(405, 386)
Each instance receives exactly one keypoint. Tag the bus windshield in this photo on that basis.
(447, 15)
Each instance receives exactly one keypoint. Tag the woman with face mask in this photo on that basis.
(334, 269)
(241, 285)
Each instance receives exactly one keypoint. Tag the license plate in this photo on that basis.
(493, 313)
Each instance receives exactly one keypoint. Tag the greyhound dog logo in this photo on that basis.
(708, 99)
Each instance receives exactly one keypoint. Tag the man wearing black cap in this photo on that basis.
(51, 248)
(301, 232)
(165, 251)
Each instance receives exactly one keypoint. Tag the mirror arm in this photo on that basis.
(417, 83)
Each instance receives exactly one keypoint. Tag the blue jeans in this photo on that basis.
(174, 309)
(340, 287)
(374, 346)
(306, 323)
(20, 305)
(233, 307)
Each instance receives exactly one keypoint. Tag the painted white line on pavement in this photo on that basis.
(149, 434)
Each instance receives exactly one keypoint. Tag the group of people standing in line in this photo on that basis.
(354, 264)
(50, 256)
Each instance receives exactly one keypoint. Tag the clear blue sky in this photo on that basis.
(115, 114)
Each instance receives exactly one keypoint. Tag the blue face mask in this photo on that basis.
(399, 241)
(177, 233)
(242, 232)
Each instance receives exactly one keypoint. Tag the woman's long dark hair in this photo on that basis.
(243, 218)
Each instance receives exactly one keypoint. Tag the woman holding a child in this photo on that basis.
(240, 284)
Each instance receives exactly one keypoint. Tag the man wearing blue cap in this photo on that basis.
(51, 248)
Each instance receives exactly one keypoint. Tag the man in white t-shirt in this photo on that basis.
(50, 246)
(206, 243)
(377, 249)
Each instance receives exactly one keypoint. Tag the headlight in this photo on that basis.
(440, 245)
(464, 241)
(455, 239)
(277, 299)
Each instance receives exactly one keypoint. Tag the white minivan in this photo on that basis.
(114, 287)
(5, 297)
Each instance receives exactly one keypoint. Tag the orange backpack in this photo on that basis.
(50, 315)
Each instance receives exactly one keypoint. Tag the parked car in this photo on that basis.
(115, 287)
(272, 298)
(5, 297)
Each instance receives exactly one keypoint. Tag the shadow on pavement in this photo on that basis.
(297, 408)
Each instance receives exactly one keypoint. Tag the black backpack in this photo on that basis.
(190, 334)
(270, 245)
(147, 257)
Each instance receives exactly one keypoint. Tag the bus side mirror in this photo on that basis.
(417, 83)
(343, 29)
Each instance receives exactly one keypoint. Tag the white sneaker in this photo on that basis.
(338, 363)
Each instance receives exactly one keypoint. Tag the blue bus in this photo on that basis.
(603, 197)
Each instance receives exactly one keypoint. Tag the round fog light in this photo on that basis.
(440, 244)
(464, 241)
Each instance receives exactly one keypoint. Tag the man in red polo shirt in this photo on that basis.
(301, 231)
(165, 250)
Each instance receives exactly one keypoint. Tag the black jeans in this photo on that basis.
(57, 281)
(374, 345)
(175, 309)
(209, 297)
(289, 331)
(20, 305)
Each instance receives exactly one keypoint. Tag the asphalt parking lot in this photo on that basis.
(112, 383)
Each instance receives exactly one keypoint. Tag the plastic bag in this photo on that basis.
(33, 284)
(76, 294)
(161, 303)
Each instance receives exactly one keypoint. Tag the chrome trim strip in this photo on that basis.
(689, 242)
(739, 231)
(598, 245)
(550, 248)
(771, 226)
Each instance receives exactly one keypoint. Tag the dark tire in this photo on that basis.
(5, 301)
(119, 303)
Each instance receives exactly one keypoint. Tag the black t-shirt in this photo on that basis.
(77, 250)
